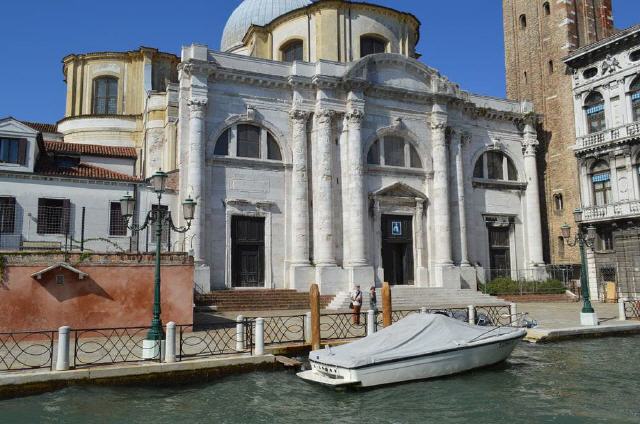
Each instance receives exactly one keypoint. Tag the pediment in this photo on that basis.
(14, 127)
(399, 190)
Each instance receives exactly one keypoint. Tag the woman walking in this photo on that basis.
(356, 304)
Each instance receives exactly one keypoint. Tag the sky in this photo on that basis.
(461, 38)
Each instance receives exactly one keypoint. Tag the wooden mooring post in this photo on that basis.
(314, 305)
(386, 305)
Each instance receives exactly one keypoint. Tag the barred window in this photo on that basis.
(248, 141)
(105, 96)
(7, 215)
(594, 108)
(394, 151)
(292, 51)
(53, 216)
(372, 45)
(495, 165)
(117, 223)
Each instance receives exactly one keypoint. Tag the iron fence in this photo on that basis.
(632, 309)
(109, 346)
(26, 350)
(214, 339)
(547, 280)
(493, 315)
(343, 326)
(284, 329)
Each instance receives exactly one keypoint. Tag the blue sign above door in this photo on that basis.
(396, 228)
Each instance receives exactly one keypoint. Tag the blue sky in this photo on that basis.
(461, 38)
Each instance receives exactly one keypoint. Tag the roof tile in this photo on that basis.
(91, 149)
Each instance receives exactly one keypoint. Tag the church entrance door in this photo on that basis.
(247, 255)
(397, 249)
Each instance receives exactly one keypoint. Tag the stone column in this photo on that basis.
(441, 209)
(197, 108)
(460, 140)
(534, 225)
(357, 206)
(299, 188)
(323, 244)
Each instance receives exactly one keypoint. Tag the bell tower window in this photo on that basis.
(105, 96)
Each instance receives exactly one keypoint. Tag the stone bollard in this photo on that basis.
(170, 343)
(387, 308)
(259, 336)
(423, 310)
(62, 362)
(371, 322)
(239, 333)
(307, 327)
(472, 314)
(622, 316)
(513, 310)
(314, 304)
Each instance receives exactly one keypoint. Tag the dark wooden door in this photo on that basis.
(397, 249)
(247, 255)
(500, 252)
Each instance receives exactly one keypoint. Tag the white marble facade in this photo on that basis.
(323, 198)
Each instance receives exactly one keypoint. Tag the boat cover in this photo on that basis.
(415, 335)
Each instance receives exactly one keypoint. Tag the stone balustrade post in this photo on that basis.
(170, 343)
(472, 314)
(513, 310)
(259, 342)
(622, 316)
(371, 322)
(307, 327)
(240, 333)
(62, 360)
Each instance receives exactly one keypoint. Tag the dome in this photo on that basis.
(255, 12)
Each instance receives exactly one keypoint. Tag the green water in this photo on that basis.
(572, 382)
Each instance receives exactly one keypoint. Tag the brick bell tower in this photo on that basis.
(537, 35)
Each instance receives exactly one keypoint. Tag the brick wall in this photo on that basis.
(118, 291)
(535, 72)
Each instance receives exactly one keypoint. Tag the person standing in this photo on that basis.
(373, 299)
(356, 304)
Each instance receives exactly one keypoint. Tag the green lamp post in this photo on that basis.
(588, 315)
(159, 218)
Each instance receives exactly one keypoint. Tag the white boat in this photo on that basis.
(418, 347)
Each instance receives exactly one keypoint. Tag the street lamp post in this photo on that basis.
(155, 336)
(588, 314)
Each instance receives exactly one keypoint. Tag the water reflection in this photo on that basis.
(581, 381)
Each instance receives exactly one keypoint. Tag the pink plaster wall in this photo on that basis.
(111, 296)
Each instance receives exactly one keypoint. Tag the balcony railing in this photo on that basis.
(608, 136)
(612, 211)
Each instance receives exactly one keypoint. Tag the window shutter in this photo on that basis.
(22, 151)
(66, 215)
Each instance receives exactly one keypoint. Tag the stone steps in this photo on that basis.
(257, 300)
(417, 297)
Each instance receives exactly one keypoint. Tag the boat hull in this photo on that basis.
(432, 365)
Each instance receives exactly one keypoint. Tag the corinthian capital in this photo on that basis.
(530, 145)
(324, 116)
(299, 116)
(355, 116)
(438, 125)
(465, 137)
(197, 104)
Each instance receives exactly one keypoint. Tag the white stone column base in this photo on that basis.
(588, 319)
(202, 278)
(468, 277)
(301, 277)
(447, 276)
(152, 348)
(422, 277)
(332, 279)
(362, 275)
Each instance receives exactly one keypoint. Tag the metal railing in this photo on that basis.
(284, 329)
(552, 279)
(26, 350)
(215, 339)
(632, 309)
(109, 346)
(493, 315)
(343, 326)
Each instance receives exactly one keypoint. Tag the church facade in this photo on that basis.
(321, 150)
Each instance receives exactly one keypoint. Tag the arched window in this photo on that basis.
(550, 66)
(248, 143)
(634, 56)
(561, 247)
(635, 99)
(495, 165)
(292, 51)
(523, 21)
(594, 109)
(558, 202)
(105, 96)
(372, 45)
(601, 183)
(394, 151)
(547, 8)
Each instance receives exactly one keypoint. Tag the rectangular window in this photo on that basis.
(13, 150)
(596, 118)
(154, 228)
(248, 141)
(605, 239)
(7, 215)
(53, 216)
(601, 188)
(117, 223)
(394, 151)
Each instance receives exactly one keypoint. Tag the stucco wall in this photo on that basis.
(118, 294)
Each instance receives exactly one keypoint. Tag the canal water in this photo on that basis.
(591, 381)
